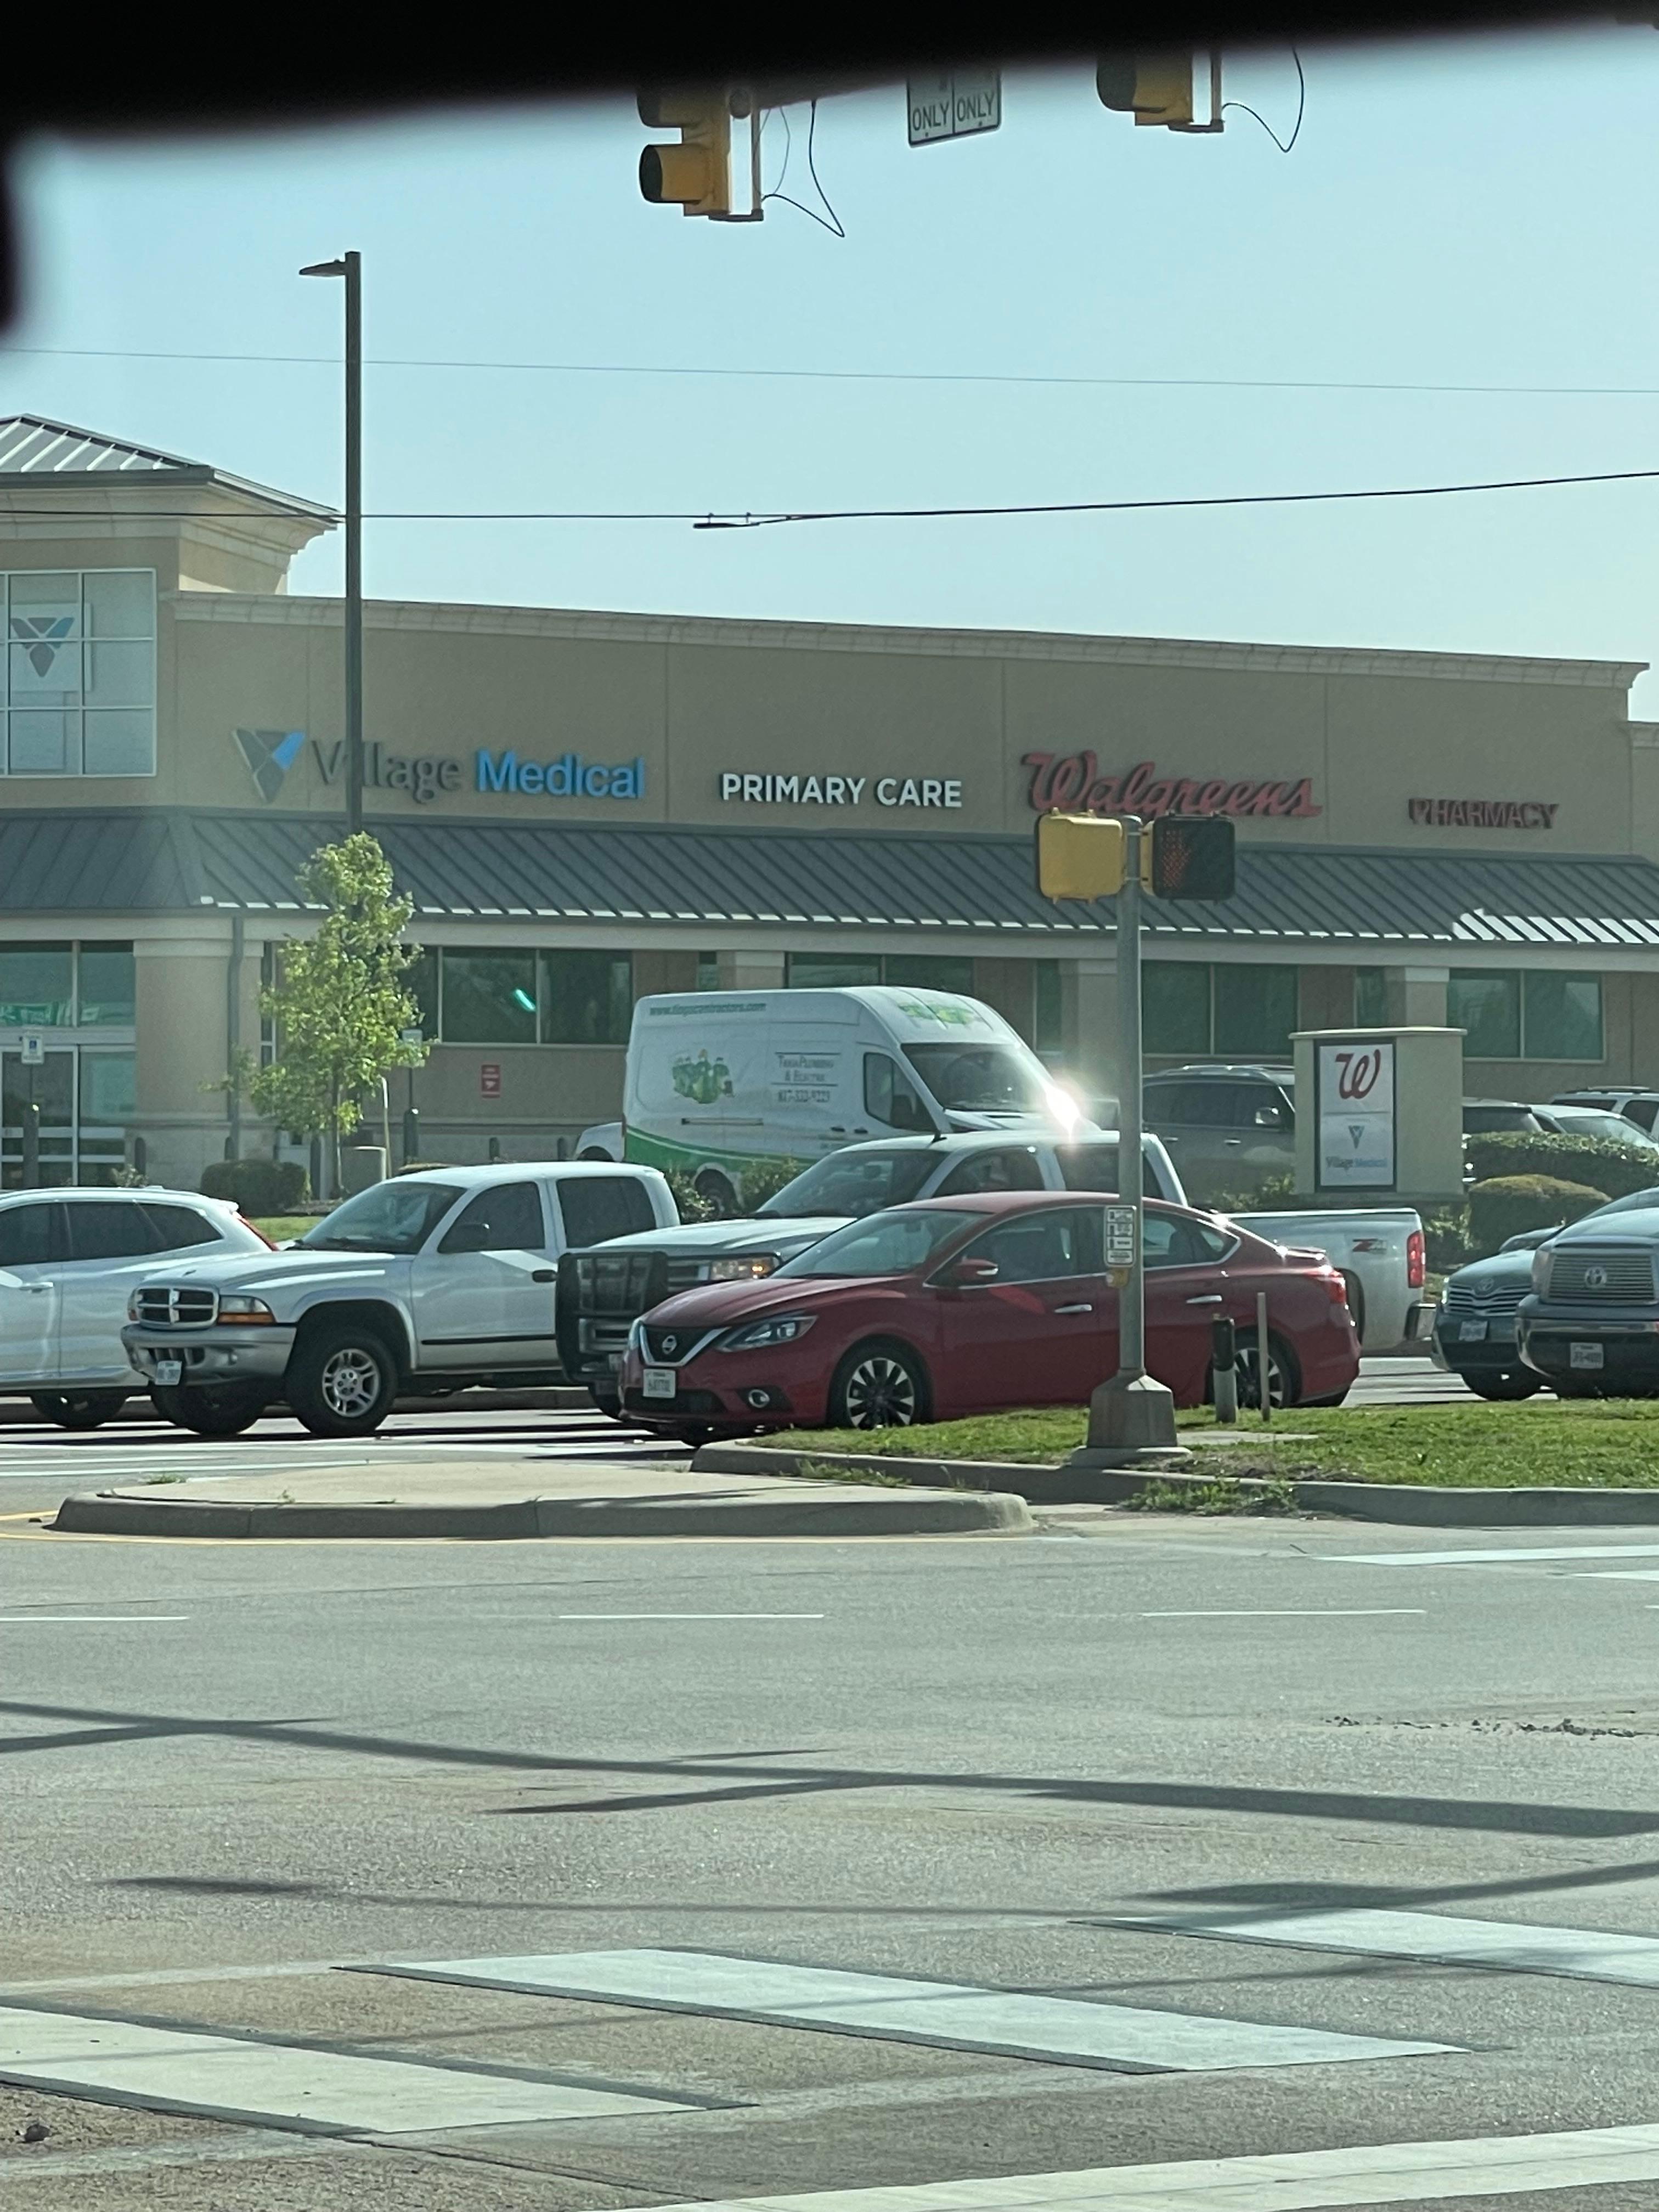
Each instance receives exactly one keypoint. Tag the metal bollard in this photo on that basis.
(411, 1134)
(31, 1146)
(1224, 1369)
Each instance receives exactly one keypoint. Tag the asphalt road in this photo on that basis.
(235, 1771)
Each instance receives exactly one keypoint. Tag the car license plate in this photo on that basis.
(167, 1372)
(659, 1381)
(1472, 1332)
(1586, 1355)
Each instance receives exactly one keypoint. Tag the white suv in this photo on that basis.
(69, 1259)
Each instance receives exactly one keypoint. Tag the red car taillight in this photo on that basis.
(1416, 1259)
(1335, 1285)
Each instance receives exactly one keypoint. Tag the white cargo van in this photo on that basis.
(721, 1080)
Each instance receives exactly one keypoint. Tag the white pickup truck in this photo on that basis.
(430, 1282)
(1381, 1254)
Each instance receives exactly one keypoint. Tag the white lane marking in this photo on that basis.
(1064, 2031)
(1509, 1554)
(1292, 2181)
(117, 2062)
(30, 1619)
(689, 1616)
(1586, 1953)
(1295, 1613)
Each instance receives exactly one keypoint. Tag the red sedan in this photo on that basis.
(973, 1305)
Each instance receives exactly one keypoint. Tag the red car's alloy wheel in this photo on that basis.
(878, 1386)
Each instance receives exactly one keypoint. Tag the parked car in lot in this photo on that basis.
(1589, 1324)
(68, 1261)
(602, 1294)
(1500, 1117)
(1597, 1121)
(1228, 1126)
(1382, 1258)
(1640, 1106)
(971, 1305)
(431, 1282)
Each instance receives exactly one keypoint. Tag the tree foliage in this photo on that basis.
(340, 1001)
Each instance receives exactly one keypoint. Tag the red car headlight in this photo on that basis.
(757, 1335)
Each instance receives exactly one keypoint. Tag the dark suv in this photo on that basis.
(1228, 1127)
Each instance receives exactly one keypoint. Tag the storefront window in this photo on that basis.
(37, 985)
(921, 972)
(107, 992)
(77, 684)
(1370, 998)
(587, 998)
(1254, 1011)
(1048, 1008)
(420, 982)
(823, 971)
(1562, 1015)
(1485, 1004)
(708, 971)
(1175, 1007)
(109, 1087)
(489, 998)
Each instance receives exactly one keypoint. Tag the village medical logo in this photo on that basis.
(269, 753)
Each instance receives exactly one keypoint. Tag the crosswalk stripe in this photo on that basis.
(224, 2077)
(1295, 2181)
(1509, 1554)
(1063, 2030)
(1586, 1955)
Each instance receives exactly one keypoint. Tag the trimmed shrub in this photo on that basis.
(693, 1206)
(1504, 1205)
(1446, 1238)
(260, 1188)
(1592, 1163)
(764, 1179)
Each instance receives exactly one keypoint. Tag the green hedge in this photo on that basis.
(1590, 1162)
(260, 1188)
(1505, 1206)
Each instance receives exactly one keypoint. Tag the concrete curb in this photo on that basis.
(878, 1513)
(554, 1397)
(1419, 1505)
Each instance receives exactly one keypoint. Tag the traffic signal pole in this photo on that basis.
(1132, 1415)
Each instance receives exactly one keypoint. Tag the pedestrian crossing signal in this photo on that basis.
(1192, 857)
(1154, 87)
(1079, 856)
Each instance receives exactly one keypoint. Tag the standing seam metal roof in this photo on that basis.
(174, 861)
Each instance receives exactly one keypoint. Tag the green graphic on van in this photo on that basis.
(703, 1080)
(951, 1014)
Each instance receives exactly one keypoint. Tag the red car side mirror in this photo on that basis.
(965, 1275)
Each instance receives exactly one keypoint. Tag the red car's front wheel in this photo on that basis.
(879, 1385)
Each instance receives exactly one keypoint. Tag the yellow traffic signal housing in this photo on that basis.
(696, 175)
(1078, 856)
(1154, 87)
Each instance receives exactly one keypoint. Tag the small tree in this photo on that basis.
(339, 1000)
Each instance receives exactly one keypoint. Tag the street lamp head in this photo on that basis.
(324, 269)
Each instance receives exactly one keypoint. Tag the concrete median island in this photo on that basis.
(1535, 1463)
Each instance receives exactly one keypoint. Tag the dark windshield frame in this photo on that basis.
(326, 1236)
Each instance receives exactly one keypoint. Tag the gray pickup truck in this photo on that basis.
(602, 1293)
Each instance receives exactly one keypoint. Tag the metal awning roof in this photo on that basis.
(174, 861)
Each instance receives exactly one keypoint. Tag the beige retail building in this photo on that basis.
(587, 807)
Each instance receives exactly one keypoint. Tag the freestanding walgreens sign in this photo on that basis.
(1355, 1101)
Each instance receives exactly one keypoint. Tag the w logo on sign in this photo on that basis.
(42, 637)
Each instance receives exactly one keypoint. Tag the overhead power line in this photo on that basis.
(714, 518)
(848, 375)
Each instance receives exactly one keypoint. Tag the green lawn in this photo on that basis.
(279, 1227)
(1541, 1441)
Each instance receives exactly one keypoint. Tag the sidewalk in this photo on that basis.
(489, 1501)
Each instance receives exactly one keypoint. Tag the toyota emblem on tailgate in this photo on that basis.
(1595, 1278)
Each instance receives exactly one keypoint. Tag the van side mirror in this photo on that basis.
(967, 1274)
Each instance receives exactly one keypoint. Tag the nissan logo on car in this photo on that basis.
(670, 1344)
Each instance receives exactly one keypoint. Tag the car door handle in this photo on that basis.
(38, 1290)
(1232, 1140)
(543, 1275)
(1214, 1299)
(1082, 1309)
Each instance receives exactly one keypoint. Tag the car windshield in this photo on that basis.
(892, 1244)
(983, 1079)
(1484, 1120)
(1613, 1127)
(1638, 1201)
(855, 1181)
(392, 1217)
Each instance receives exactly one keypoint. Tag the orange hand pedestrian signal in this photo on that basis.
(1192, 857)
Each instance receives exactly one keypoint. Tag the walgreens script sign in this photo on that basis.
(1074, 783)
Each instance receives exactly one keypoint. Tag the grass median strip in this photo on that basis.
(1541, 1442)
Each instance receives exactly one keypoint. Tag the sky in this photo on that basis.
(1068, 308)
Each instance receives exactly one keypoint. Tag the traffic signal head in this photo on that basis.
(1152, 87)
(1078, 856)
(696, 175)
(1192, 857)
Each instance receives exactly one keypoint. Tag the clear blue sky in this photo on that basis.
(1466, 214)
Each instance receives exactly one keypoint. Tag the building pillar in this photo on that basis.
(181, 1054)
(751, 971)
(1008, 986)
(1089, 1024)
(1420, 994)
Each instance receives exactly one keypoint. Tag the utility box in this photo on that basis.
(360, 1167)
(1379, 1116)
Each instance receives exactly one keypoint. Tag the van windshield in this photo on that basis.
(982, 1079)
(854, 1183)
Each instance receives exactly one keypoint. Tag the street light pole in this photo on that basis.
(350, 267)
